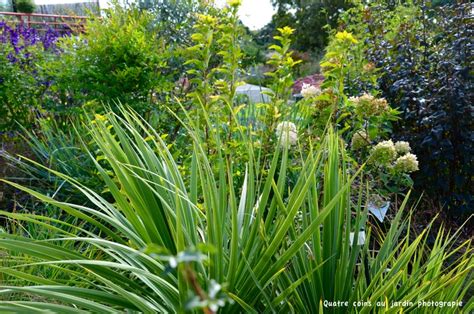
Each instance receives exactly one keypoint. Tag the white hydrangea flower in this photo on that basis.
(309, 91)
(406, 163)
(286, 133)
(368, 105)
(360, 139)
(384, 152)
(402, 147)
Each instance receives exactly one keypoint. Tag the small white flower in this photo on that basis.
(286, 133)
(173, 262)
(402, 147)
(214, 289)
(309, 91)
(406, 163)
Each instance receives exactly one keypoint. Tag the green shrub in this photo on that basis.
(350, 100)
(18, 91)
(118, 59)
(25, 6)
(308, 18)
(174, 20)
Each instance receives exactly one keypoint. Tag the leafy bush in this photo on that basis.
(174, 20)
(130, 56)
(363, 117)
(22, 83)
(308, 18)
(25, 6)
(423, 55)
(118, 59)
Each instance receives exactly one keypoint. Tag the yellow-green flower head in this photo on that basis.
(360, 139)
(383, 153)
(234, 3)
(406, 163)
(207, 19)
(100, 117)
(402, 147)
(286, 31)
(346, 37)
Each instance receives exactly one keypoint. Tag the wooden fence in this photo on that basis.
(61, 23)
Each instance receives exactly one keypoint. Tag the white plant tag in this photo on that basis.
(379, 212)
(360, 238)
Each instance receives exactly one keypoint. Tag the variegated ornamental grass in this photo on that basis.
(169, 242)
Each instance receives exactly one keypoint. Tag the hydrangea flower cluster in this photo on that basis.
(310, 91)
(329, 99)
(368, 67)
(368, 105)
(406, 163)
(384, 153)
(360, 139)
(286, 133)
(315, 80)
(402, 147)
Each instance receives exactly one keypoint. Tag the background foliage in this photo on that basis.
(309, 19)
(119, 59)
(423, 56)
(25, 6)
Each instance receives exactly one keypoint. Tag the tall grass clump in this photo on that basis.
(167, 243)
(62, 148)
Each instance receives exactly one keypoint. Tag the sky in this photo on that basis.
(254, 13)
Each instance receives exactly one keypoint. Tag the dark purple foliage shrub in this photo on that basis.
(424, 55)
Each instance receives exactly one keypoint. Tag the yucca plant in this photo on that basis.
(214, 241)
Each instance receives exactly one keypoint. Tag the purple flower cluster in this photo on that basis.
(20, 37)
